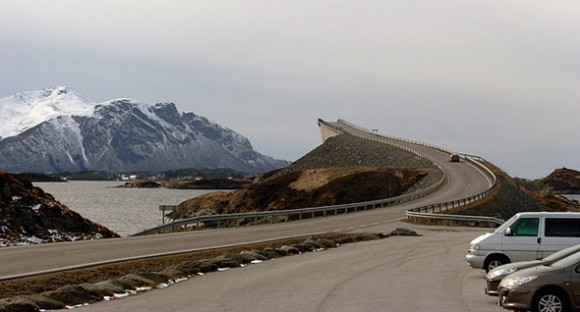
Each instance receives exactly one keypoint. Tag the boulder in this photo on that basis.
(270, 253)
(251, 255)
(136, 280)
(18, 304)
(156, 277)
(290, 249)
(403, 232)
(104, 288)
(174, 272)
(125, 283)
(206, 265)
(46, 303)
(188, 268)
(327, 243)
(312, 244)
(303, 247)
(71, 295)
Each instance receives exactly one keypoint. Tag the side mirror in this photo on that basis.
(508, 231)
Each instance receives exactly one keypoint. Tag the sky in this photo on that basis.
(499, 79)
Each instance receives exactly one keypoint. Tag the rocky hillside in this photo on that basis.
(563, 181)
(121, 135)
(30, 216)
(344, 169)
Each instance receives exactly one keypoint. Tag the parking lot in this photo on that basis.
(425, 273)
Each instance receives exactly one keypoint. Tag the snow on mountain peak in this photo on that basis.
(25, 110)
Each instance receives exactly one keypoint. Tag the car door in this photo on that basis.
(559, 233)
(521, 240)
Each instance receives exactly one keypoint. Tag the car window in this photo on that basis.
(504, 225)
(526, 227)
(560, 227)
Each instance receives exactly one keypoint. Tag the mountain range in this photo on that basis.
(56, 130)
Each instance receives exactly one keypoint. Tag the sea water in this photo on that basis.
(573, 196)
(123, 210)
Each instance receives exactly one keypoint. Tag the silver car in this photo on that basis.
(494, 277)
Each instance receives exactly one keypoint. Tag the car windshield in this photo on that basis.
(562, 253)
(502, 227)
(567, 261)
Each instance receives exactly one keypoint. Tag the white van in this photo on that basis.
(525, 236)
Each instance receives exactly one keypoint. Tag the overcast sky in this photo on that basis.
(500, 79)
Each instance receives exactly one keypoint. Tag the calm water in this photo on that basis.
(125, 211)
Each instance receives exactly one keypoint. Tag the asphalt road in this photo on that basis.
(426, 273)
(464, 180)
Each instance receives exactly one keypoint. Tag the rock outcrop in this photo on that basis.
(31, 216)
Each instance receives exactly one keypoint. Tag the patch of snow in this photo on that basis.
(256, 261)
(26, 110)
(223, 269)
(35, 208)
(122, 295)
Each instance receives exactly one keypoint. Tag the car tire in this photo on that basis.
(495, 262)
(551, 300)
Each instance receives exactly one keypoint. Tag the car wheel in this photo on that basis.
(550, 301)
(494, 263)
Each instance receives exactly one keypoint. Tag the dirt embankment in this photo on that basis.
(342, 170)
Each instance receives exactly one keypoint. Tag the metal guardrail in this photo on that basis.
(199, 221)
(415, 213)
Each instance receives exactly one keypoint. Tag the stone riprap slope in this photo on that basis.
(30, 216)
(349, 151)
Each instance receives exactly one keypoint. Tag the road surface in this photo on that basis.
(426, 273)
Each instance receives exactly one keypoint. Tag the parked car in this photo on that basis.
(495, 276)
(525, 236)
(454, 158)
(544, 288)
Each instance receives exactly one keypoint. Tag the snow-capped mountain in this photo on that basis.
(56, 130)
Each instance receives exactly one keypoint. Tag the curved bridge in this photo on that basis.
(464, 179)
